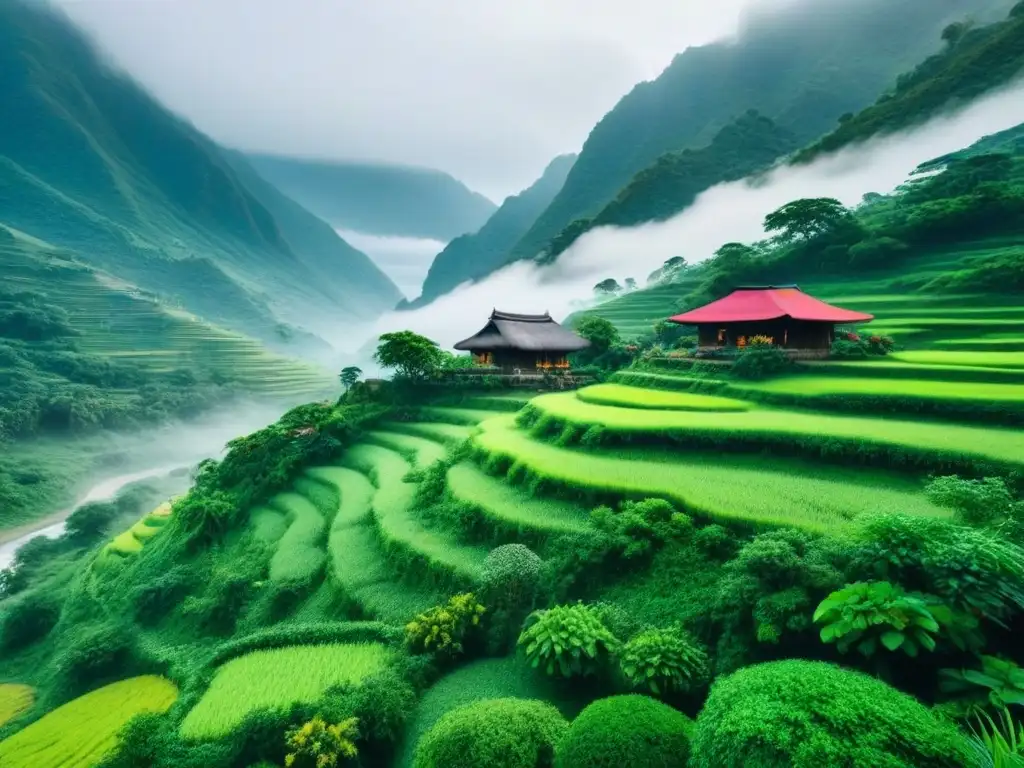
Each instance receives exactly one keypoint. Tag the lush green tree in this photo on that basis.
(953, 33)
(493, 733)
(608, 287)
(601, 333)
(667, 272)
(411, 355)
(805, 714)
(806, 218)
(626, 732)
(349, 376)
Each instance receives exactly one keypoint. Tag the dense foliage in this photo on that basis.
(807, 714)
(626, 732)
(503, 733)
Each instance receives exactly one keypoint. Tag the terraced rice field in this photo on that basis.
(132, 541)
(918, 388)
(972, 359)
(421, 451)
(636, 313)
(275, 679)
(624, 396)
(751, 490)
(14, 700)
(83, 731)
(510, 506)
(1004, 447)
(441, 433)
(299, 556)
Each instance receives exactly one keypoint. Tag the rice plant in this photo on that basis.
(14, 699)
(422, 451)
(637, 397)
(83, 731)
(954, 357)
(923, 388)
(276, 679)
(299, 555)
(498, 499)
(1004, 446)
(446, 434)
(761, 490)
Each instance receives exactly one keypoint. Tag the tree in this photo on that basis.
(411, 355)
(733, 256)
(608, 287)
(600, 332)
(955, 32)
(349, 376)
(630, 284)
(668, 271)
(807, 218)
(1018, 11)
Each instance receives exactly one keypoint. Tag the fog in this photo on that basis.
(404, 259)
(726, 213)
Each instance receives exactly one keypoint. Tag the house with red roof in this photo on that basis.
(782, 315)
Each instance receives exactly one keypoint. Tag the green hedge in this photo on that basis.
(493, 733)
(626, 732)
(806, 714)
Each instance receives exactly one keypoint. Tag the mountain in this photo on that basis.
(974, 61)
(91, 163)
(800, 66)
(472, 256)
(747, 145)
(379, 199)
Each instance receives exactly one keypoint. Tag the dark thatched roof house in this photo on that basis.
(523, 342)
(781, 315)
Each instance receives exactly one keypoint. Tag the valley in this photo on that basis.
(756, 507)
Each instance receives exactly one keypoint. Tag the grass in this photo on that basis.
(440, 433)
(83, 731)
(267, 524)
(299, 556)
(624, 396)
(485, 679)
(398, 526)
(919, 388)
(509, 505)
(14, 700)
(357, 563)
(746, 489)
(131, 542)
(421, 451)
(954, 357)
(275, 679)
(767, 426)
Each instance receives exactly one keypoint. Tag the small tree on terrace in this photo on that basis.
(806, 219)
(601, 334)
(349, 376)
(608, 287)
(411, 355)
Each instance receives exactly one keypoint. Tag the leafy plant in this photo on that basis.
(998, 744)
(443, 628)
(1000, 681)
(315, 744)
(978, 502)
(567, 640)
(867, 614)
(664, 660)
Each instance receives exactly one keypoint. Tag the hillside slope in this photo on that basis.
(474, 255)
(978, 61)
(89, 161)
(800, 67)
(379, 199)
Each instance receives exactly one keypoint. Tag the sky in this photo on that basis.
(487, 90)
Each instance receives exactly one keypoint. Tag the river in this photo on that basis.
(154, 454)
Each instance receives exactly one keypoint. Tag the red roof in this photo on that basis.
(768, 303)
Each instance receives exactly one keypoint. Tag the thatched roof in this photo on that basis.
(530, 333)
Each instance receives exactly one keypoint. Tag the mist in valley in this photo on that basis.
(726, 213)
(404, 259)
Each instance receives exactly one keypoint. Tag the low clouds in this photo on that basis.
(488, 91)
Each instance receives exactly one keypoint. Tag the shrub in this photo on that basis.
(510, 576)
(567, 640)
(979, 502)
(443, 628)
(315, 744)
(716, 541)
(664, 660)
(95, 653)
(493, 733)
(626, 732)
(28, 620)
(869, 614)
(759, 362)
(641, 527)
(805, 714)
(999, 682)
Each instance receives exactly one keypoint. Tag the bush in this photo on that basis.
(493, 733)
(94, 654)
(443, 628)
(511, 574)
(759, 362)
(626, 731)
(664, 660)
(978, 502)
(805, 714)
(28, 620)
(640, 528)
(317, 744)
(567, 640)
